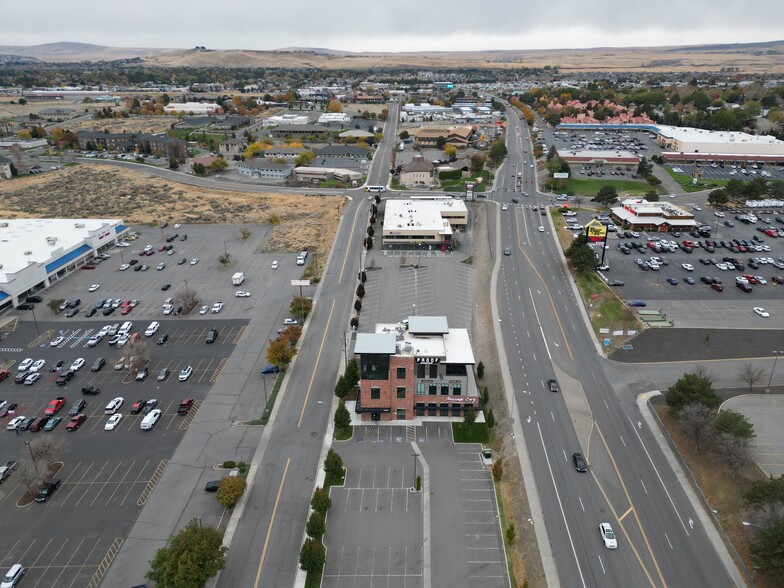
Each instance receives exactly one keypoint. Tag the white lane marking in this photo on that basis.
(622, 441)
(643, 486)
(601, 564)
(560, 506)
(655, 469)
(546, 346)
(581, 503)
(606, 405)
(552, 416)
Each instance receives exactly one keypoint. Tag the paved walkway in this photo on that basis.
(766, 412)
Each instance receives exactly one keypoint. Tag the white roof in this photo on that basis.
(718, 137)
(375, 343)
(450, 346)
(24, 240)
(421, 215)
(598, 154)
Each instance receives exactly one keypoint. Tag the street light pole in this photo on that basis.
(776, 355)
(264, 381)
(35, 320)
(415, 455)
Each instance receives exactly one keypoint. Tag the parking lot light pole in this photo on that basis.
(776, 355)
(32, 456)
(264, 381)
(415, 455)
(35, 320)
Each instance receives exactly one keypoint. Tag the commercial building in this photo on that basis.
(322, 174)
(597, 158)
(286, 119)
(417, 222)
(34, 253)
(429, 136)
(191, 107)
(637, 214)
(161, 144)
(334, 118)
(416, 368)
(419, 173)
(284, 152)
(296, 130)
(232, 146)
(260, 167)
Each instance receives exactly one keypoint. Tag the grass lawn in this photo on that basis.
(591, 187)
(459, 184)
(685, 182)
(476, 433)
(270, 401)
(343, 434)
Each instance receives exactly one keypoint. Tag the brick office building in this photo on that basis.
(417, 368)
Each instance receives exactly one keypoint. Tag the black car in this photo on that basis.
(91, 390)
(46, 490)
(98, 364)
(177, 310)
(579, 462)
(90, 312)
(162, 339)
(515, 200)
(165, 287)
(553, 386)
(212, 336)
(181, 261)
(108, 311)
(64, 378)
(212, 486)
(74, 303)
(56, 366)
(137, 268)
(34, 298)
(77, 407)
(616, 283)
(72, 313)
(270, 369)
(184, 238)
(25, 424)
(25, 306)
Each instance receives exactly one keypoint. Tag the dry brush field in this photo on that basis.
(93, 191)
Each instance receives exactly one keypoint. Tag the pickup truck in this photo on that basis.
(91, 390)
(6, 470)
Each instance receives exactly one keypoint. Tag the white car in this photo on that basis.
(77, 364)
(504, 206)
(25, 365)
(160, 266)
(760, 280)
(124, 267)
(204, 309)
(37, 365)
(290, 321)
(104, 330)
(56, 341)
(194, 261)
(123, 244)
(94, 340)
(177, 225)
(15, 422)
(216, 308)
(696, 207)
(688, 267)
(275, 264)
(541, 229)
(93, 288)
(148, 247)
(114, 405)
(762, 312)
(610, 542)
(152, 329)
(185, 374)
(741, 280)
(242, 294)
(32, 378)
(113, 421)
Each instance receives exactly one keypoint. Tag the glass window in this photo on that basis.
(457, 389)
(444, 389)
(420, 371)
(419, 409)
(433, 370)
(375, 393)
(432, 389)
(401, 414)
(420, 389)
(401, 373)
(401, 391)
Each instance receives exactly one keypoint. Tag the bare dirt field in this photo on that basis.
(92, 191)
(136, 124)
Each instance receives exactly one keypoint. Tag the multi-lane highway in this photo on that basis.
(628, 483)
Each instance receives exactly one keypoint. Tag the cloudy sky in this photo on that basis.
(402, 25)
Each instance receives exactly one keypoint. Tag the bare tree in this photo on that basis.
(734, 451)
(27, 474)
(696, 421)
(702, 372)
(578, 200)
(751, 374)
(47, 450)
(187, 297)
(140, 354)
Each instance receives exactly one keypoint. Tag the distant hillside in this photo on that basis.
(65, 51)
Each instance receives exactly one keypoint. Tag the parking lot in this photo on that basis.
(698, 304)
(729, 171)
(108, 475)
(465, 543)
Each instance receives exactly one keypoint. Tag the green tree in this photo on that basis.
(766, 498)
(219, 165)
(644, 168)
(404, 135)
(734, 423)
(470, 417)
(333, 464)
(352, 373)
(688, 389)
(480, 370)
(304, 159)
(231, 490)
(581, 256)
(497, 153)
(301, 306)
(199, 169)
(280, 353)
(321, 502)
(652, 196)
(312, 556)
(341, 387)
(342, 417)
(767, 552)
(316, 527)
(718, 196)
(192, 557)
(441, 142)
(607, 195)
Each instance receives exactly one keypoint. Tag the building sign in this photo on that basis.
(104, 235)
(463, 399)
(561, 176)
(595, 231)
(428, 359)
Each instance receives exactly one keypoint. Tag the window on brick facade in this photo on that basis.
(401, 414)
(375, 393)
(420, 370)
(401, 373)
(432, 389)
(401, 391)
(420, 389)
(444, 389)
(456, 389)
(433, 370)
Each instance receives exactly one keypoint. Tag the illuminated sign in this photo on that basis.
(428, 359)
(595, 231)
(463, 399)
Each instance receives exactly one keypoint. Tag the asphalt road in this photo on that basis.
(629, 483)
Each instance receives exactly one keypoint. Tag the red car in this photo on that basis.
(717, 287)
(138, 406)
(126, 309)
(88, 266)
(55, 406)
(777, 279)
(133, 262)
(76, 422)
(5, 373)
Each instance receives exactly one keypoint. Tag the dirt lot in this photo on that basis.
(92, 191)
(136, 124)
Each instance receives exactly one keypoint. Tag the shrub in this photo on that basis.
(490, 418)
(480, 370)
(231, 490)
(229, 464)
(498, 469)
(316, 527)
(333, 464)
(511, 534)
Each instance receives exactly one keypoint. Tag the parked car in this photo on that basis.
(76, 422)
(47, 489)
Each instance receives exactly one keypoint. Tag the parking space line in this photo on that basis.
(106, 482)
(105, 562)
(67, 564)
(84, 564)
(153, 481)
(185, 423)
(119, 483)
(62, 502)
(41, 553)
(90, 484)
(10, 551)
(130, 488)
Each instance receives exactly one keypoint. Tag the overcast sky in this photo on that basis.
(402, 25)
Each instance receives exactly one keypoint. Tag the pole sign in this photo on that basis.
(595, 231)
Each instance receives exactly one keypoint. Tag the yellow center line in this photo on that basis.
(315, 366)
(625, 533)
(631, 503)
(623, 516)
(348, 245)
(549, 295)
(272, 521)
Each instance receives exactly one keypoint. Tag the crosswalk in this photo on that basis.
(415, 253)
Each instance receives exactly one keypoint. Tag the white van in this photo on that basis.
(125, 328)
(152, 329)
(303, 255)
(150, 420)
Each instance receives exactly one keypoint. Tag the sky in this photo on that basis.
(402, 25)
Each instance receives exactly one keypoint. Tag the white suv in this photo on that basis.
(152, 329)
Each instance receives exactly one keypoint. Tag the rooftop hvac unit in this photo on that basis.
(28, 252)
(3, 225)
(79, 225)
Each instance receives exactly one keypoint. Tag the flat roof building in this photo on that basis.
(36, 252)
(423, 221)
(639, 214)
(591, 157)
(415, 368)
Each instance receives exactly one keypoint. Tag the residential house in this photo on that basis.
(258, 167)
(419, 173)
